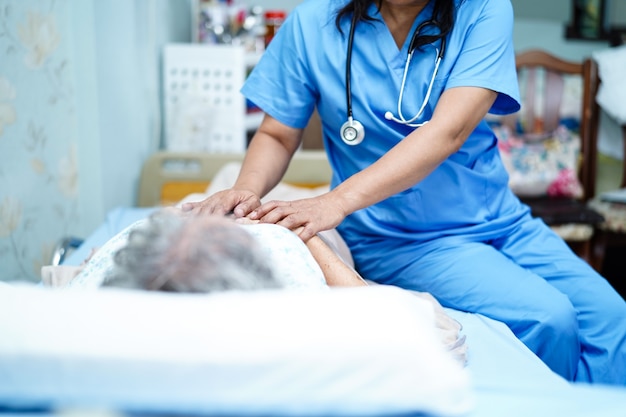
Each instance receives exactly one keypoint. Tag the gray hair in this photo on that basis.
(171, 252)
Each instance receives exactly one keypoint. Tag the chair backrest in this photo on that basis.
(623, 183)
(538, 63)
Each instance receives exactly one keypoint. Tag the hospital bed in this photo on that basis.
(271, 353)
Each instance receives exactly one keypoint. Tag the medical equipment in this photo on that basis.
(352, 131)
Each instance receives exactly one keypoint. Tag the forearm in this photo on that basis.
(336, 272)
(421, 152)
(408, 163)
(267, 157)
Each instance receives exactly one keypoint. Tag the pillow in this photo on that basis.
(354, 351)
(540, 166)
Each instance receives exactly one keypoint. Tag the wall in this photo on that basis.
(38, 133)
(79, 113)
(561, 10)
(546, 34)
(542, 24)
(129, 35)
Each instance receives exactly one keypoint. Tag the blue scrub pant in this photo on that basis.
(554, 302)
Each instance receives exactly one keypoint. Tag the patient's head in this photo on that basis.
(172, 252)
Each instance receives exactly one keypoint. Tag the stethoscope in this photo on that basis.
(352, 131)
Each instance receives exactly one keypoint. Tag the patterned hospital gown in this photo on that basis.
(291, 260)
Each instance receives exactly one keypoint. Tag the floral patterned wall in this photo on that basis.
(38, 139)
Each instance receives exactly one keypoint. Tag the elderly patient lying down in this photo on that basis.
(170, 251)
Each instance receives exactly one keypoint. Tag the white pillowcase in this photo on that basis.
(357, 351)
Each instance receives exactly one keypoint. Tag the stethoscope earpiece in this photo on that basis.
(352, 132)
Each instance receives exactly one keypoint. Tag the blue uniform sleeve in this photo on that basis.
(485, 56)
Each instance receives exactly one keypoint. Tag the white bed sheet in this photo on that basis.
(508, 379)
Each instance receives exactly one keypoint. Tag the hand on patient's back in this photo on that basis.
(224, 202)
(309, 215)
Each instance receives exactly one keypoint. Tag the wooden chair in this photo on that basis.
(611, 232)
(570, 217)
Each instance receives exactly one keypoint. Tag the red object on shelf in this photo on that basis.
(273, 20)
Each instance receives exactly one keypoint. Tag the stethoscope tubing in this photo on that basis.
(426, 98)
(349, 67)
(352, 128)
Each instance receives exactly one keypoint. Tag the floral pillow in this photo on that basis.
(541, 165)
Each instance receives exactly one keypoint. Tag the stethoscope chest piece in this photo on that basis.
(352, 132)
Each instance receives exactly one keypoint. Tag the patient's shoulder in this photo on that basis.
(101, 263)
(291, 260)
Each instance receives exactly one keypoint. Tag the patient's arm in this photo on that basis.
(336, 272)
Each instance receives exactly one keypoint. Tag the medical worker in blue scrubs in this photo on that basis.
(418, 189)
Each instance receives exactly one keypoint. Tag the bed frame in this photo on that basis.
(167, 177)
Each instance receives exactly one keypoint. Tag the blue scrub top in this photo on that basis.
(304, 67)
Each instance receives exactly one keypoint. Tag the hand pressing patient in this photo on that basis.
(238, 202)
(306, 217)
